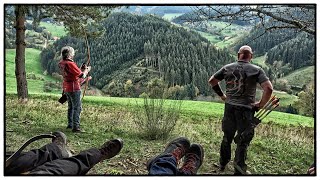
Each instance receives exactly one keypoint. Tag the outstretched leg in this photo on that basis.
(81, 163)
(36, 157)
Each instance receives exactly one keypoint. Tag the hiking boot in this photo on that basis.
(60, 140)
(240, 171)
(192, 160)
(220, 167)
(69, 127)
(77, 130)
(111, 148)
(177, 148)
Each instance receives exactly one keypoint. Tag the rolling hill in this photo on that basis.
(36, 78)
(301, 77)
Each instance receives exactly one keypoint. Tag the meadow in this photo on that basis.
(283, 143)
(171, 16)
(33, 67)
(54, 29)
(301, 76)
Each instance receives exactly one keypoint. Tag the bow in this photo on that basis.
(88, 63)
(15, 155)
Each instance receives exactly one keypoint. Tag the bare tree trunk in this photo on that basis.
(20, 70)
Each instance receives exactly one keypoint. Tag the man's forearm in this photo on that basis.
(265, 97)
(218, 90)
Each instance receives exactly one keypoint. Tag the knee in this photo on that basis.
(245, 138)
(226, 140)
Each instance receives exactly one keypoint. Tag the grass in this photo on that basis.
(198, 109)
(225, 28)
(260, 61)
(301, 76)
(33, 66)
(171, 16)
(285, 98)
(54, 29)
(276, 149)
(283, 144)
(210, 37)
(230, 32)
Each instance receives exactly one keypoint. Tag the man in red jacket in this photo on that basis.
(71, 86)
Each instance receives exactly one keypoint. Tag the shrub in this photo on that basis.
(50, 86)
(282, 85)
(157, 117)
(143, 95)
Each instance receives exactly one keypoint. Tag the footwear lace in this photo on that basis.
(190, 164)
(107, 148)
(177, 153)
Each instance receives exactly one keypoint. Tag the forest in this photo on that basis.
(147, 44)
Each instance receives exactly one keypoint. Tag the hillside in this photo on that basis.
(156, 10)
(219, 33)
(301, 76)
(296, 49)
(171, 16)
(36, 78)
(298, 52)
(176, 55)
(40, 37)
(296, 79)
(260, 61)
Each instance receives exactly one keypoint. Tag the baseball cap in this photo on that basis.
(245, 48)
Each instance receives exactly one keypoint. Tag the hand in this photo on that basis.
(83, 66)
(223, 97)
(89, 78)
(256, 106)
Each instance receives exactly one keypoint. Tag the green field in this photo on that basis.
(301, 76)
(200, 108)
(286, 143)
(213, 39)
(283, 143)
(54, 29)
(225, 28)
(171, 16)
(260, 61)
(196, 109)
(32, 67)
(230, 33)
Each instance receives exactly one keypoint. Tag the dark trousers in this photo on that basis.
(74, 109)
(236, 119)
(48, 161)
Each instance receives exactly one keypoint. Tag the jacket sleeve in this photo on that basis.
(74, 70)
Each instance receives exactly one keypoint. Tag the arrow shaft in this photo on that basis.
(266, 105)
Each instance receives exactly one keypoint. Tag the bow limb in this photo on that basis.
(15, 155)
(88, 63)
